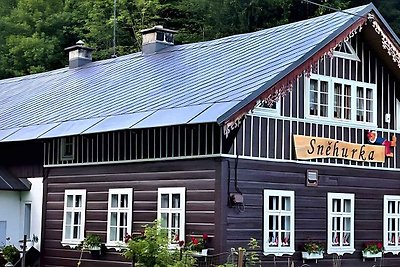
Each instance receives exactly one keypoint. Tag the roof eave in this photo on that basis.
(243, 105)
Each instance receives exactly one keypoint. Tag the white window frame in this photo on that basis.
(73, 242)
(386, 216)
(64, 143)
(268, 111)
(279, 250)
(352, 55)
(340, 250)
(181, 210)
(118, 210)
(330, 119)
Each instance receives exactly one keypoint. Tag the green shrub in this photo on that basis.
(152, 250)
(11, 253)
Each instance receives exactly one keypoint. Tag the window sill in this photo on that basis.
(338, 122)
(394, 252)
(71, 244)
(279, 253)
(341, 252)
(117, 246)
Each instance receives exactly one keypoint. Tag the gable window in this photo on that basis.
(391, 224)
(67, 148)
(119, 219)
(340, 223)
(74, 217)
(278, 222)
(265, 110)
(340, 100)
(345, 50)
(171, 212)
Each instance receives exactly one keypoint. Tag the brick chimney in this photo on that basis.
(156, 39)
(79, 54)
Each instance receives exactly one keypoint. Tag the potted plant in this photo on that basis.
(372, 249)
(313, 250)
(92, 242)
(199, 246)
(10, 254)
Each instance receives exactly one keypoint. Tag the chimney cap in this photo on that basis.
(79, 45)
(157, 28)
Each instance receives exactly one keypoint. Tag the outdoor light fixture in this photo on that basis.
(312, 178)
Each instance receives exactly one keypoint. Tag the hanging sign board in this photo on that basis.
(308, 147)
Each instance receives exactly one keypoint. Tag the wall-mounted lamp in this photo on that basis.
(312, 178)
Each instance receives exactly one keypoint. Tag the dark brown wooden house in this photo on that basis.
(284, 135)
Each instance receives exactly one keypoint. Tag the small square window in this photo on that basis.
(67, 148)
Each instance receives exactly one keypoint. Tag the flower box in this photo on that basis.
(312, 255)
(368, 254)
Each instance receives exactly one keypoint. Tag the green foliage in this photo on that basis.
(91, 240)
(313, 247)
(151, 250)
(251, 255)
(34, 33)
(10, 253)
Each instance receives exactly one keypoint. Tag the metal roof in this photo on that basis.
(10, 183)
(183, 84)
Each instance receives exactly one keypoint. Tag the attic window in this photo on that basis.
(345, 50)
(67, 148)
(266, 110)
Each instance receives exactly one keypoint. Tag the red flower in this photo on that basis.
(181, 243)
(192, 239)
(379, 245)
(195, 241)
(205, 236)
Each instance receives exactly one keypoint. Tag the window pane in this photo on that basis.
(122, 233)
(77, 218)
(273, 222)
(113, 221)
(286, 204)
(78, 201)
(175, 220)
(76, 234)
(113, 233)
(164, 201)
(336, 224)
(164, 220)
(68, 219)
(335, 238)
(336, 205)
(285, 223)
(176, 199)
(70, 201)
(347, 225)
(273, 203)
(391, 207)
(123, 219)
(273, 239)
(346, 239)
(68, 232)
(124, 201)
(285, 237)
(347, 205)
(114, 201)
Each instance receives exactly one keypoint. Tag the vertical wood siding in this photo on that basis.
(271, 137)
(198, 177)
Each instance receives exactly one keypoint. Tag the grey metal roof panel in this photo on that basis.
(6, 132)
(176, 79)
(29, 132)
(211, 113)
(173, 116)
(9, 182)
(117, 122)
(68, 128)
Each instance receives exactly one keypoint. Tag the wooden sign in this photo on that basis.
(308, 147)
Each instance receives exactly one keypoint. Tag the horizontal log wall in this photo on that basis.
(368, 186)
(198, 177)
